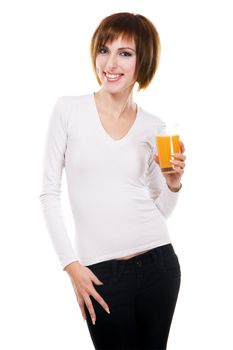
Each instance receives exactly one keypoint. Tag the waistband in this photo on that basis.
(145, 258)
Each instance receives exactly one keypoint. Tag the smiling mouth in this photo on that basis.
(113, 77)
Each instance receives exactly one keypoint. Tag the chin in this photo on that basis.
(112, 90)
(116, 90)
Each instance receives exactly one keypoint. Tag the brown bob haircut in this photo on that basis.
(131, 27)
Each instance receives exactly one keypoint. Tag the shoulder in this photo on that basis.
(70, 101)
(152, 120)
(68, 107)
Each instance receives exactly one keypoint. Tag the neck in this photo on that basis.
(115, 104)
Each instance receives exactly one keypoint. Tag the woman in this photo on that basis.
(123, 268)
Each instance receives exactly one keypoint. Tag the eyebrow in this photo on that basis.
(121, 48)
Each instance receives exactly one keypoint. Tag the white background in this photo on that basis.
(44, 55)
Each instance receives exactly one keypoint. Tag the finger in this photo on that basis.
(82, 308)
(178, 163)
(182, 147)
(100, 300)
(156, 158)
(95, 279)
(90, 308)
(178, 170)
(178, 156)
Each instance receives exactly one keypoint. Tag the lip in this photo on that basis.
(113, 73)
(109, 80)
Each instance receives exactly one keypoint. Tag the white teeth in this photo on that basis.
(112, 76)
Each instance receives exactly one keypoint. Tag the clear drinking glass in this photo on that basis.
(167, 145)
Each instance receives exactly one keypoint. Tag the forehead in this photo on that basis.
(120, 41)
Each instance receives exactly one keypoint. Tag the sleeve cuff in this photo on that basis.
(175, 191)
(66, 262)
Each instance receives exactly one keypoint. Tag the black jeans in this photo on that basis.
(141, 293)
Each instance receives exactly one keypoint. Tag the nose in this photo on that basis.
(112, 62)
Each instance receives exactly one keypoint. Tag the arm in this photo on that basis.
(50, 196)
(165, 197)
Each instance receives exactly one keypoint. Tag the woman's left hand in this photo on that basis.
(174, 179)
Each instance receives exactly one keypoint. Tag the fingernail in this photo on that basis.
(93, 321)
(107, 309)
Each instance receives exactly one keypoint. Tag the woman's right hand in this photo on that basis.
(82, 278)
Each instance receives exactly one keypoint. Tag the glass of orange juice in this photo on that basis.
(166, 145)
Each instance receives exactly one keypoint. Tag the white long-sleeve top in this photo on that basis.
(119, 198)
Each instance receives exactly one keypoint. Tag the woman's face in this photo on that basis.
(115, 65)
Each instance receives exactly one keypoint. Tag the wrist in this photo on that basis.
(175, 189)
(71, 267)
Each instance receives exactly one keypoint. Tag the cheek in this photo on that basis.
(98, 64)
(100, 61)
(130, 67)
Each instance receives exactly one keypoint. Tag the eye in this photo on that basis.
(125, 53)
(102, 50)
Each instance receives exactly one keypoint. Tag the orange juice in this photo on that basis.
(167, 144)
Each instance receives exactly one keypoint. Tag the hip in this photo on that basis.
(157, 264)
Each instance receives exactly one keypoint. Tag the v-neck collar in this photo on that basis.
(104, 132)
